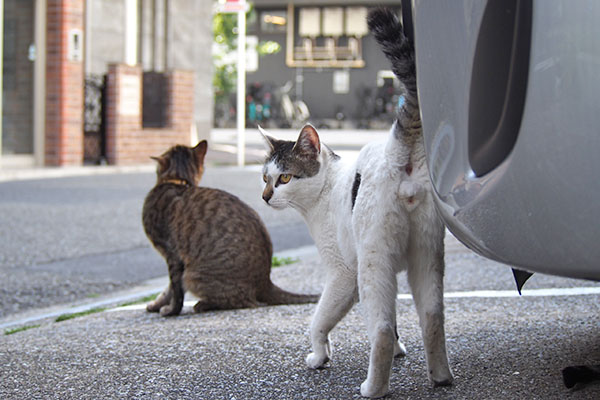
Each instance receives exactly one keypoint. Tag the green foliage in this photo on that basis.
(279, 261)
(224, 53)
(225, 43)
(140, 301)
(20, 329)
(65, 317)
(268, 47)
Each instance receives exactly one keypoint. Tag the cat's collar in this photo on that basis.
(175, 181)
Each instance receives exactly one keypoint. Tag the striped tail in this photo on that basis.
(274, 295)
(387, 30)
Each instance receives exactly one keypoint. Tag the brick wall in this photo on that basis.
(127, 142)
(64, 85)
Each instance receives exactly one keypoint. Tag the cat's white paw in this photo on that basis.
(442, 378)
(316, 361)
(399, 349)
(372, 391)
(320, 356)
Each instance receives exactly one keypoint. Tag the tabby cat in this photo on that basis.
(370, 219)
(214, 244)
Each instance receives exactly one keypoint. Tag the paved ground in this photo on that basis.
(498, 347)
(68, 241)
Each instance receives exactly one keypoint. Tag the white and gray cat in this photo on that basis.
(370, 219)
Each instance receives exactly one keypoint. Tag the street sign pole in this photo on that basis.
(241, 89)
(240, 7)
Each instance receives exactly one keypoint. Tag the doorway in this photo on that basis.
(18, 58)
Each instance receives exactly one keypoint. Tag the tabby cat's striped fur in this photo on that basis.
(215, 245)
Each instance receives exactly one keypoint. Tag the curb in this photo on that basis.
(7, 175)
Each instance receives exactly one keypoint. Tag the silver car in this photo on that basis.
(510, 101)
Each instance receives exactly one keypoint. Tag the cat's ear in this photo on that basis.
(162, 161)
(200, 151)
(308, 143)
(268, 139)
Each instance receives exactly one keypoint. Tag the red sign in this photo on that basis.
(232, 6)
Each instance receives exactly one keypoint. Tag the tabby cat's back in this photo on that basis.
(215, 226)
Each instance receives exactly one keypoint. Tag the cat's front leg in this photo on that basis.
(336, 300)
(162, 299)
(176, 301)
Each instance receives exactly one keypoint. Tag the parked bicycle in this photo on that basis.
(294, 113)
(266, 105)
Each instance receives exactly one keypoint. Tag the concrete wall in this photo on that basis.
(181, 41)
(190, 48)
(107, 34)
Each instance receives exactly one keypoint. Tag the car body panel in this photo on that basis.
(539, 208)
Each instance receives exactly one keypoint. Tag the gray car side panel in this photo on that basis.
(539, 209)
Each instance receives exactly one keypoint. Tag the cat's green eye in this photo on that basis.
(285, 178)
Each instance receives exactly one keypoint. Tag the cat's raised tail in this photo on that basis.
(389, 34)
(274, 295)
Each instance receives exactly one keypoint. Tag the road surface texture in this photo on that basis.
(499, 347)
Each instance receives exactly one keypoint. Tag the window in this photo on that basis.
(273, 21)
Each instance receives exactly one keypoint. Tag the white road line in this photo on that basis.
(576, 291)
(135, 307)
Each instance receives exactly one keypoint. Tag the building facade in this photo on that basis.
(328, 65)
(102, 80)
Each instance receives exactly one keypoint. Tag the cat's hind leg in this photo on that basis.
(377, 287)
(399, 348)
(204, 305)
(426, 279)
(336, 300)
(218, 294)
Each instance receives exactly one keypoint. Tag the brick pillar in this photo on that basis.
(181, 99)
(123, 112)
(64, 84)
(127, 141)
